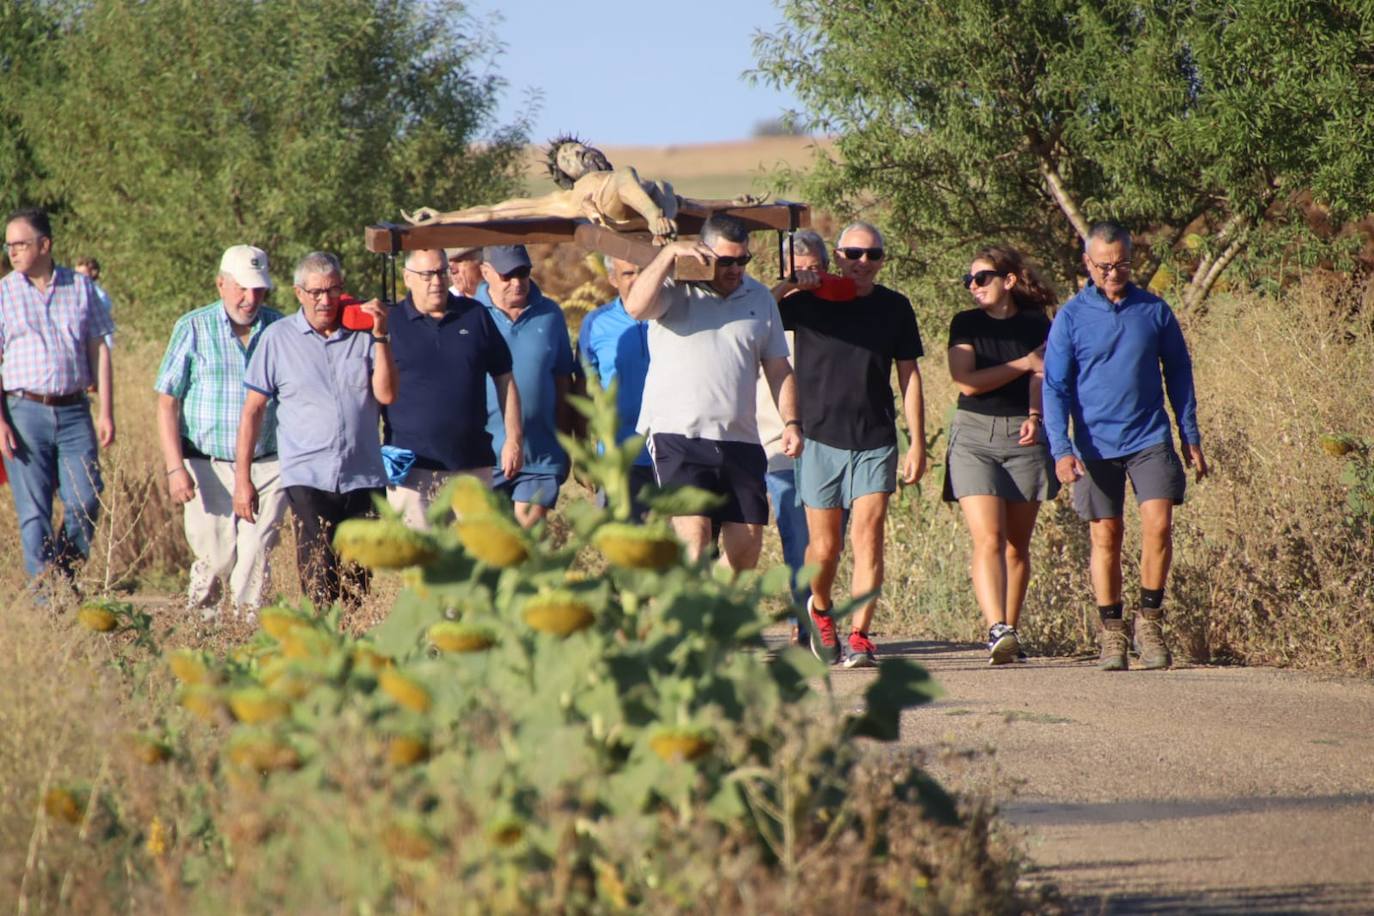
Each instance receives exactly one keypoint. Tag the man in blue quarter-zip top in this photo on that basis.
(1103, 367)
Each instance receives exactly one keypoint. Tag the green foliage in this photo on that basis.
(28, 31)
(181, 128)
(1023, 122)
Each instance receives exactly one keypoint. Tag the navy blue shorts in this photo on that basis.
(538, 489)
(734, 470)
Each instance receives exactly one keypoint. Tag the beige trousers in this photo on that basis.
(227, 547)
(414, 497)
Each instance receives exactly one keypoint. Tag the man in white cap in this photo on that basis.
(200, 397)
(465, 269)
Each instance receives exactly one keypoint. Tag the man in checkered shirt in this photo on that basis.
(200, 396)
(52, 348)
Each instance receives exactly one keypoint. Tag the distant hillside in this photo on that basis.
(709, 170)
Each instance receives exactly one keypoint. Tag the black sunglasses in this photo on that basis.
(732, 261)
(982, 278)
(854, 254)
(519, 273)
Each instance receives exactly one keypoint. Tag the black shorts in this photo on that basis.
(1155, 473)
(734, 470)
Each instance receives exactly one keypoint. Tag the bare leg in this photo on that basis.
(741, 545)
(1106, 559)
(527, 514)
(1020, 526)
(1156, 541)
(986, 520)
(695, 532)
(867, 516)
(823, 549)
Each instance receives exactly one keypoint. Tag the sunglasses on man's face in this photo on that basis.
(855, 254)
(520, 273)
(734, 260)
(982, 278)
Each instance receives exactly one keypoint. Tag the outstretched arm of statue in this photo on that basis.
(565, 204)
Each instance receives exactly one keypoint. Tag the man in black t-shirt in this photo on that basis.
(844, 356)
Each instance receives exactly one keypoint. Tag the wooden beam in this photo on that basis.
(639, 251)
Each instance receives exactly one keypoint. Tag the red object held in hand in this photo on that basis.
(835, 288)
(354, 318)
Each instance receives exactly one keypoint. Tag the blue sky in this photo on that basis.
(635, 73)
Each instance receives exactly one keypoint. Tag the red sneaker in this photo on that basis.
(860, 653)
(827, 647)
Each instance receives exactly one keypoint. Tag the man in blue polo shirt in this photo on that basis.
(329, 384)
(445, 347)
(534, 328)
(1102, 369)
(616, 347)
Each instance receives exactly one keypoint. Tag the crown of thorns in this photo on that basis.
(560, 177)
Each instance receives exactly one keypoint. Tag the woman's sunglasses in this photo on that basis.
(982, 278)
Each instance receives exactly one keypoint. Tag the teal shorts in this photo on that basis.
(832, 478)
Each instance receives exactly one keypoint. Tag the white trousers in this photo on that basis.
(225, 546)
(414, 497)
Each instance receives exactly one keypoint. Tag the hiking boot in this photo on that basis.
(827, 647)
(1149, 640)
(1003, 645)
(1114, 644)
(860, 652)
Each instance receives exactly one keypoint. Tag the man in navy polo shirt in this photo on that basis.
(534, 328)
(445, 347)
(616, 347)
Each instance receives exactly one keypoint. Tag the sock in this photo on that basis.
(1151, 599)
(1109, 611)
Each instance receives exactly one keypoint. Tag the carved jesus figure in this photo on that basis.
(611, 197)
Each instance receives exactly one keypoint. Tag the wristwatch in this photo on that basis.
(381, 338)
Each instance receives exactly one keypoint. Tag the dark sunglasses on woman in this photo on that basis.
(982, 278)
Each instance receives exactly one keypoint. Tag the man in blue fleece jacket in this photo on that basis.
(1102, 370)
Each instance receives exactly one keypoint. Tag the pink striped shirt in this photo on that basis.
(43, 336)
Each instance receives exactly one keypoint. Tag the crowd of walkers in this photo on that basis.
(779, 401)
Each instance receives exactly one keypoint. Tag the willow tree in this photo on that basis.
(180, 128)
(1202, 123)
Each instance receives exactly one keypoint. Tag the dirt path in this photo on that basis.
(1196, 790)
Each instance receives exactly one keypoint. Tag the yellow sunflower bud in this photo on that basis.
(1337, 446)
(278, 621)
(450, 636)
(558, 613)
(261, 752)
(202, 701)
(96, 618)
(383, 543)
(367, 658)
(471, 496)
(65, 804)
(254, 705)
(674, 744)
(405, 691)
(636, 547)
(406, 750)
(493, 539)
(300, 643)
(189, 667)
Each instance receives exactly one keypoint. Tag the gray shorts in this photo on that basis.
(985, 459)
(1155, 472)
(832, 478)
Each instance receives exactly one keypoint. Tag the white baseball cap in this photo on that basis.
(247, 265)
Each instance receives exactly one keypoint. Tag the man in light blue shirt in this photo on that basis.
(329, 384)
(1102, 370)
(616, 347)
(537, 334)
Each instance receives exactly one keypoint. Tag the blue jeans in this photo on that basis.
(56, 450)
(791, 516)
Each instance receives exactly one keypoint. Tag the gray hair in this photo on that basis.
(1108, 231)
(860, 224)
(806, 242)
(722, 226)
(317, 262)
(443, 256)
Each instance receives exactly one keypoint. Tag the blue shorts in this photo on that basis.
(527, 487)
(832, 478)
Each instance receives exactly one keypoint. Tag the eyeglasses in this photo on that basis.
(734, 260)
(328, 292)
(982, 278)
(520, 273)
(855, 254)
(22, 245)
(1119, 267)
(427, 275)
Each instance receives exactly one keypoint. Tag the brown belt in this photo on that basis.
(51, 400)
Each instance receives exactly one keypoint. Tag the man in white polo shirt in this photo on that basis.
(707, 342)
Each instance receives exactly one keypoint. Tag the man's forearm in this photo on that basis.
(250, 426)
(383, 374)
(643, 301)
(914, 407)
(510, 407)
(104, 378)
(169, 431)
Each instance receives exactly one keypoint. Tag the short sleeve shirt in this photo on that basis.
(327, 418)
(704, 356)
(616, 347)
(843, 359)
(442, 365)
(996, 341)
(203, 368)
(43, 335)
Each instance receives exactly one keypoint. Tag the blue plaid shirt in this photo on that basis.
(203, 368)
(43, 335)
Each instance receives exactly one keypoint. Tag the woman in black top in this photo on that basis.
(999, 467)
